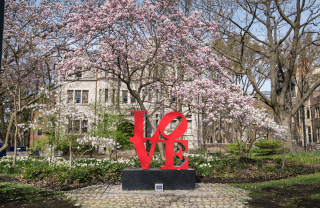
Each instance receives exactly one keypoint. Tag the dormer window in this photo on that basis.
(78, 75)
(78, 72)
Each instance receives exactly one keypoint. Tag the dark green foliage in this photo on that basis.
(268, 147)
(243, 166)
(259, 164)
(278, 161)
(124, 132)
(271, 168)
(234, 148)
(220, 168)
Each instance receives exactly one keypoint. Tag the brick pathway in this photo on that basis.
(205, 195)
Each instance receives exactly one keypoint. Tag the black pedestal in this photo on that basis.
(138, 179)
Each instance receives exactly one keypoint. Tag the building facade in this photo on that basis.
(84, 90)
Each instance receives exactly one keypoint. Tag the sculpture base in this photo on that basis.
(138, 179)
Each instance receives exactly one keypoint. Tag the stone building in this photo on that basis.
(311, 112)
(84, 89)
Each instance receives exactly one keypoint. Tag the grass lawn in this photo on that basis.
(300, 191)
(24, 195)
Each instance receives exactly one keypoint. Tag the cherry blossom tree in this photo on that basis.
(152, 46)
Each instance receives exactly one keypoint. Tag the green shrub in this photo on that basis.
(124, 132)
(243, 166)
(259, 163)
(38, 171)
(271, 168)
(220, 168)
(234, 148)
(268, 147)
(278, 161)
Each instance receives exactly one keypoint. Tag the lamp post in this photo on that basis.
(304, 129)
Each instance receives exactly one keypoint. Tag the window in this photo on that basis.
(106, 92)
(39, 133)
(84, 126)
(78, 75)
(188, 116)
(78, 72)
(189, 129)
(133, 99)
(309, 133)
(85, 96)
(308, 113)
(157, 119)
(318, 135)
(70, 96)
(317, 112)
(40, 121)
(76, 126)
(78, 96)
(124, 96)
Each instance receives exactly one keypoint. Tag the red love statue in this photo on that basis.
(138, 140)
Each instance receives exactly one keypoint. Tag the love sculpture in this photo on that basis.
(138, 140)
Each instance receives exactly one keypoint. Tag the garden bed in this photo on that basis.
(215, 168)
(209, 169)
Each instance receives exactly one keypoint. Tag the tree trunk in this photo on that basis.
(286, 121)
(51, 152)
(160, 144)
(15, 148)
(2, 127)
(6, 142)
(70, 150)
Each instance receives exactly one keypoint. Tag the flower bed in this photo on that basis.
(209, 168)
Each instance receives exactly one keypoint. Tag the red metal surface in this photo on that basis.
(138, 140)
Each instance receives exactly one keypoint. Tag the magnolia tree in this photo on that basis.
(104, 132)
(63, 114)
(109, 143)
(32, 41)
(261, 121)
(153, 48)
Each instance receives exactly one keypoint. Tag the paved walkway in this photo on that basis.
(205, 195)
